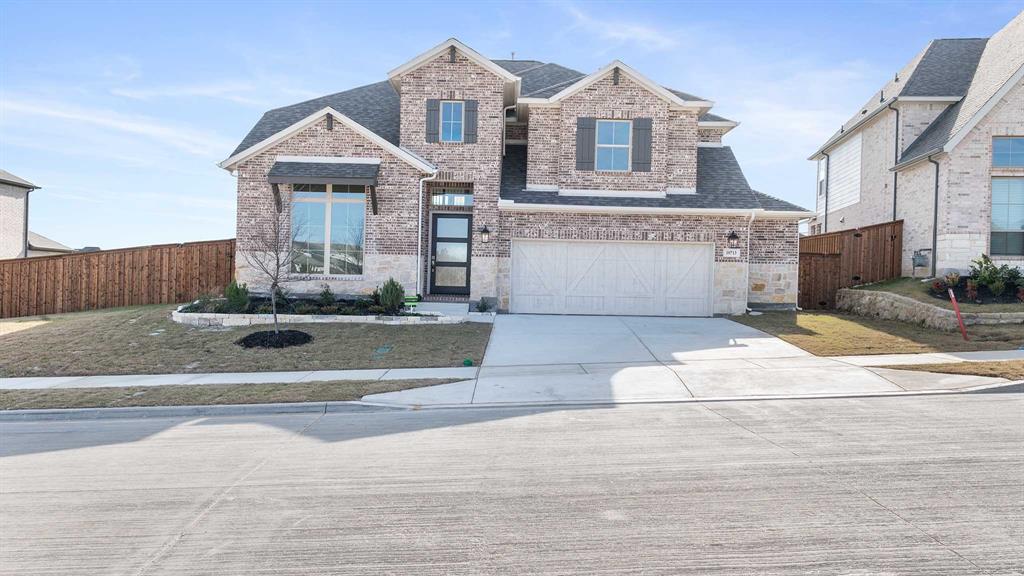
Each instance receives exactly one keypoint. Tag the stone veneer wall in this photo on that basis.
(774, 262)
(390, 235)
(478, 163)
(889, 306)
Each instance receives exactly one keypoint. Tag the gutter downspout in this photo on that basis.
(504, 126)
(24, 233)
(419, 237)
(896, 158)
(750, 232)
(935, 220)
(828, 170)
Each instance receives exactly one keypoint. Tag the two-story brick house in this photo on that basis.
(528, 184)
(941, 147)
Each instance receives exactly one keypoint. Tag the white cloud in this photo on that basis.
(618, 31)
(231, 90)
(184, 138)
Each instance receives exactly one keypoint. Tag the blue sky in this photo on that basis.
(121, 111)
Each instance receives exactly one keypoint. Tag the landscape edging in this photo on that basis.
(204, 319)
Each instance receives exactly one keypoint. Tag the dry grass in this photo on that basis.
(914, 288)
(143, 340)
(1009, 369)
(827, 334)
(198, 395)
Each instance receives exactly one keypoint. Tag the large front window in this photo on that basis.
(613, 145)
(1008, 152)
(451, 121)
(1008, 216)
(327, 228)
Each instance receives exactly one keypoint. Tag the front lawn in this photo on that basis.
(202, 395)
(1009, 369)
(829, 334)
(914, 288)
(143, 340)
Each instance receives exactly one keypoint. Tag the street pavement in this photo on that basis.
(898, 485)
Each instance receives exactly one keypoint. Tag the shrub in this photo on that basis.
(995, 278)
(375, 296)
(237, 297)
(264, 308)
(326, 296)
(952, 279)
(330, 309)
(376, 309)
(938, 287)
(983, 270)
(971, 290)
(482, 306)
(997, 287)
(306, 308)
(392, 296)
(1020, 294)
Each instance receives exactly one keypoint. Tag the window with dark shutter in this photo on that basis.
(585, 143)
(469, 130)
(433, 120)
(641, 145)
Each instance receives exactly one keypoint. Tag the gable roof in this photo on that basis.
(942, 71)
(721, 185)
(999, 69)
(43, 244)
(401, 153)
(377, 106)
(673, 97)
(440, 49)
(8, 178)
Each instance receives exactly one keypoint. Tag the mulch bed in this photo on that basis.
(271, 339)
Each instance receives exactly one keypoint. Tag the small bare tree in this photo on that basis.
(269, 251)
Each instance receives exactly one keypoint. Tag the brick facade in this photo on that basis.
(391, 240)
(12, 221)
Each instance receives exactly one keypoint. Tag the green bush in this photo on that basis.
(237, 297)
(306, 307)
(392, 296)
(375, 309)
(996, 287)
(327, 296)
(995, 278)
(482, 306)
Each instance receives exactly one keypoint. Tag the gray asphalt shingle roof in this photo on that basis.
(720, 184)
(946, 68)
(323, 173)
(8, 178)
(376, 106)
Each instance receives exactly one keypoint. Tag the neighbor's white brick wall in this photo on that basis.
(12, 221)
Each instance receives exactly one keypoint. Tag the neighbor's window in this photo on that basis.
(451, 121)
(452, 196)
(1008, 216)
(327, 228)
(612, 145)
(1008, 152)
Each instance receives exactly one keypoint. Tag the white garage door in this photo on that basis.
(621, 278)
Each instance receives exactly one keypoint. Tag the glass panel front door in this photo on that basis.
(450, 253)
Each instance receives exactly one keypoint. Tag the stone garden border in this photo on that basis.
(204, 319)
(889, 306)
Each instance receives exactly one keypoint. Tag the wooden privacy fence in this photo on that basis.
(162, 274)
(847, 258)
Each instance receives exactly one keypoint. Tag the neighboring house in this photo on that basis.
(16, 240)
(522, 183)
(941, 147)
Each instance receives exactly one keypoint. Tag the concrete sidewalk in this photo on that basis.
(930, 358)
(234, 378)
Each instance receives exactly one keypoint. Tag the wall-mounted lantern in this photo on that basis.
(485, 234)
(734, 239)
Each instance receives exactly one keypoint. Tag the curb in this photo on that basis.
(57, 414)
(357, 406)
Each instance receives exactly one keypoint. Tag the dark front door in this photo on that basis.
(449, 253)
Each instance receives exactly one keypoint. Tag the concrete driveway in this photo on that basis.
(530, 340)
(533, 359)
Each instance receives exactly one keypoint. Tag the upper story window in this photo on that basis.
(1008, 216)
(452, 117)
(613, 145)
(1008, 152)
(328, 221)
